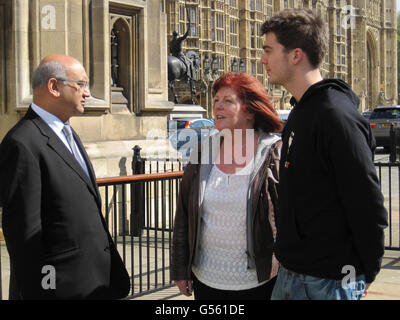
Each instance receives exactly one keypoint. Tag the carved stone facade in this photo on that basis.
(115, 119)
(362, 46)
(118, 116)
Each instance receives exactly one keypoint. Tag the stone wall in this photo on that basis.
(80, 28)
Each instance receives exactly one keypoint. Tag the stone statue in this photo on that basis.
(177, 70)
(114, 59)
(182, 66)
(176, 50)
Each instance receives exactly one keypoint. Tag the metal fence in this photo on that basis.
(140, 211)
(154, 165)
(389, 180)
(2, 278)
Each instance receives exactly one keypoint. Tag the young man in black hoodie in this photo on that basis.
(330, 228)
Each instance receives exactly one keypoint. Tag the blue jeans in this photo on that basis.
(294, 286)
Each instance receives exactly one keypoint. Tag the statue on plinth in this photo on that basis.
(182, 66)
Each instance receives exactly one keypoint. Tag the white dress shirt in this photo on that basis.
(57, 126)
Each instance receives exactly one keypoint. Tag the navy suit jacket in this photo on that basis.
(52, 216)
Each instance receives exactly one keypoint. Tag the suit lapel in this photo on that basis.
(58, 146)
(89, 165)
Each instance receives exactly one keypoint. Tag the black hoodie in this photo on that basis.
(331, 208)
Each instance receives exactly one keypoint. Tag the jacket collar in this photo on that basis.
(209, 152)
(57, 145)
(265, 141)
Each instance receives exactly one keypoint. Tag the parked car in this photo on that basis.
(367, 114)
(194, 131)
(380, 120)
(200, 123)
(283, 115)
(179, 124)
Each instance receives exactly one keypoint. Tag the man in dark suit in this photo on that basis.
(56, 236)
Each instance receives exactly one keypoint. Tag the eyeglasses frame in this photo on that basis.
(82, 84)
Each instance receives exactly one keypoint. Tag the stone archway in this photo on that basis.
(372, 76)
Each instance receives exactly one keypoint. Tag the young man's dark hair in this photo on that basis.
(300, 28)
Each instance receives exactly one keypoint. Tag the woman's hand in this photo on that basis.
(185, 287)
(366, 290)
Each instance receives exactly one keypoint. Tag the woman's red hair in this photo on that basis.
(255, 98)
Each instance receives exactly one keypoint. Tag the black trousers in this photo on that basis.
(204, 292)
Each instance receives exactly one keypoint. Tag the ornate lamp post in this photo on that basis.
(235, 65)
(242, 66)
(210, 69)
(215, 67)
(207, 67)
(207, 79)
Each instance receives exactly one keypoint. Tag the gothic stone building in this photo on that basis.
(123, 46)
(362, 46)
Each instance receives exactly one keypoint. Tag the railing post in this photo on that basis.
(137, 195)
(397, 138)
(137, 161)
(1, 239)
(393, 147)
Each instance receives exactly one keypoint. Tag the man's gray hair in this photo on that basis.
(46, 71)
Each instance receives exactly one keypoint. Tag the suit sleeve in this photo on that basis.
(20, 196)
(349, 146)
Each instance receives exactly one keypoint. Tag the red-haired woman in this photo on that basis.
(224, 224)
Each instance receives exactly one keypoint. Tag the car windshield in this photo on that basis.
(201, 123)
(385, 113)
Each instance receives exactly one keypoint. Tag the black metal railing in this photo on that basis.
(139, 211)
(3, 266)
(394, 143)
(161, 165)
(389, 181)
(154, 164)
(1, 274)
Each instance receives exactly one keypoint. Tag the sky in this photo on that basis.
(398, 5)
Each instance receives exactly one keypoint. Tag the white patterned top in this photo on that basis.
(222, 260)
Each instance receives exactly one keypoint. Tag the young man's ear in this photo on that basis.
(297, 55)
(53, 87)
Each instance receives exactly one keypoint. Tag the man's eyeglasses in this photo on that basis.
(82, 84)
